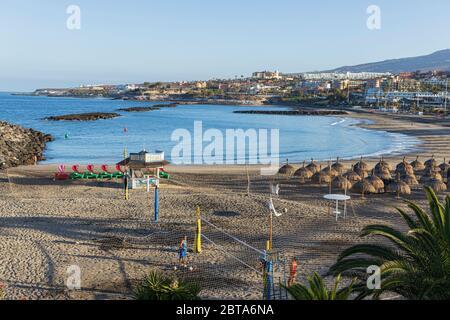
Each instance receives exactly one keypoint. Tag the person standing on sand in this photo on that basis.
(292, 272)
(182, 252)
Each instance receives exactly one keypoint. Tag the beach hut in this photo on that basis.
(417, 165)
(287, 169)
(313, 167)
(303, 173)
(398, 187)
(376, 182)
(437, 185)
(361, 166)
(341, 183)
(144, 168)
(431, 162)
(352, 176)
(338, 167)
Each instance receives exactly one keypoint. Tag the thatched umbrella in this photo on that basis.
(404, 168)
(384, 174)
(382, 166)
(437, 185)
(303, 173)
(444, 167)
(287, 169)
(377, 183)
(411, 180)
(431, 162)
(338, 166)
(361, 166)
(321, 177)
(330, 171)
(341, 183)
(417, 165)
(398, 187)
(313, 167)
(352, 176)
(364, 187)
(431, 173)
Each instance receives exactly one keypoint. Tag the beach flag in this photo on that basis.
(275, 189)
(273, 210)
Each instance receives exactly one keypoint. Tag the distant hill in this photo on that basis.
(439, 60)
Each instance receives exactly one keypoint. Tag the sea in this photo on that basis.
(300, 138)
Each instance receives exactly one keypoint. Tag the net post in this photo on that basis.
(198, 233)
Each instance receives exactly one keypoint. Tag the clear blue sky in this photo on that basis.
(138, 40)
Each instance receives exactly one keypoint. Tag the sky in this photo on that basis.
(174, 40)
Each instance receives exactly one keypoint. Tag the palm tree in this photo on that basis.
(157, 286)
(416, 265)
(318, 290)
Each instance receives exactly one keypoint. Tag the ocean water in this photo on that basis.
(103, 141)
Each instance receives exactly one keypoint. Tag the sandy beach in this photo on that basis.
(47, 226)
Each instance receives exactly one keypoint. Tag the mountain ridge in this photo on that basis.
(439, 60)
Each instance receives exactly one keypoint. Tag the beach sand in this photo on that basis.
(47, 226)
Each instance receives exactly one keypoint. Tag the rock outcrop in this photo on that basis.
(84, 117)
(20, 146)
(147, 109)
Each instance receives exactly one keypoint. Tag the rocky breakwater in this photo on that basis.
(147, 109)
(93, 116)
(20, 146)
(298, 112)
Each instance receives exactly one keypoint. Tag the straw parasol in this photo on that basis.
(431, 162)
(330, 171)
(398, 187)
(404, 168)
(338, 166)
(361, 166)
(383, 173)
(444, 167)
(341, 183)
(303, 173)
(313, 167)
(437, 185)
(287, 169)
(417, 165)
(382, 166)
(431, 173)
(321, 177)
(364, 187)
(352, 176)
(376, 182)
(411, 180)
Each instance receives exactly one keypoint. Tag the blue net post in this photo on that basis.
(156, 205)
